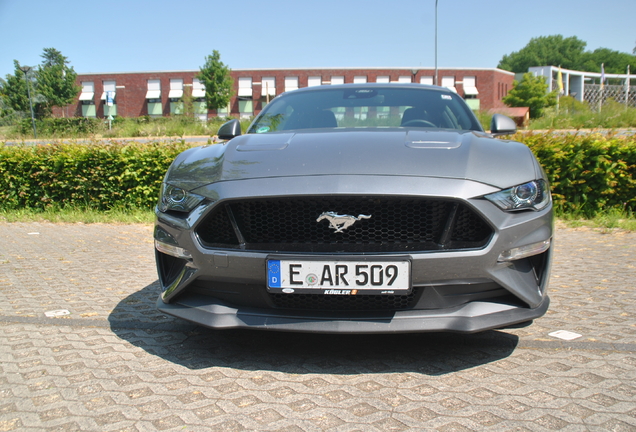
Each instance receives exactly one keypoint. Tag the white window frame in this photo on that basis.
(449, 83)
(360, 79)
(385, 79)
(470, 87)
(337, 80)
(428, 80)
(245, 87)
(154, 89)
(313, 81)
(291, 83)
(198, 89)
(88, 91)
(109, 86)
(268, 85)
(404, 79)
(176, 88)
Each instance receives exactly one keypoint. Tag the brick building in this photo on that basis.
(134, 94)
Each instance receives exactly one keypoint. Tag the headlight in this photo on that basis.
(533, 195)
(173, 198)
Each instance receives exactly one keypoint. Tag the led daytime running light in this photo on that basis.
(524, 251)
(172, 250)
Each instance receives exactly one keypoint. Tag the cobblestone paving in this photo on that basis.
(115, 364)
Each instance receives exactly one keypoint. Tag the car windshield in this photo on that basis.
(359, 106)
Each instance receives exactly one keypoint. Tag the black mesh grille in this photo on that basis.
(344, 302)
(396, 225)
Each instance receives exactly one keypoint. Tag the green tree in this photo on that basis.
(568, 53)
(531, 92)
(614, 61)
(217, 80)
(56, 80)
(545, 51)
(13, 89)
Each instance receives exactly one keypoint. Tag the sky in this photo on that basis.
(162, 35)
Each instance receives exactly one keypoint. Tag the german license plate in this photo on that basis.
(339, 277)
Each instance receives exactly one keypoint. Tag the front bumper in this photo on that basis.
(223, 288)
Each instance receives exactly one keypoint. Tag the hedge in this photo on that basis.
(97, 175)
(65, 126)
(588, 172)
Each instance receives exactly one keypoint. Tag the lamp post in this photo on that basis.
(26, 70)
(436, 42)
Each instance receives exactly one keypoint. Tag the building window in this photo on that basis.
(108, 96)
(470, 87)
(88, 91)
(428, 80)
(223, 112)
(246, 105)
(359, 79)
(291, 83)
(383, 79)
(87, 99)
(335, 80)
(153, 98)
(314, 81)
(198, 89)
(176, 88)
(404, 79)
(176, 96)
(245, 87)
(198, 100)
(246, 108)
(268, 85)
(449, 83)
(154, 89)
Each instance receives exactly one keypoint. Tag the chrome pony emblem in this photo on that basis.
(340, 222)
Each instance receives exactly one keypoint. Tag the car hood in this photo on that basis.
(381, 152)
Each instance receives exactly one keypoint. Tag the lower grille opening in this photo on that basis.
(169, 267)
(539, 266)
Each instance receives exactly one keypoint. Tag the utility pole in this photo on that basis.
(436, 83)
(26, 70)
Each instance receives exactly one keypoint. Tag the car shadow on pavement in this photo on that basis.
(136, 320)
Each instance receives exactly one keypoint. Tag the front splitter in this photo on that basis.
(469, 318)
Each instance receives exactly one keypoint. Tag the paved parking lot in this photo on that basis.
(115, 364)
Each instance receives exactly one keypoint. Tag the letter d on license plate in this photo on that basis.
(387, 277)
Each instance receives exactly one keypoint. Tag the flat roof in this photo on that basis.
(401, 68)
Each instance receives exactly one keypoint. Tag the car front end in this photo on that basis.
(352, 230)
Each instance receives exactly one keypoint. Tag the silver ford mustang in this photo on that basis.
(362, 208)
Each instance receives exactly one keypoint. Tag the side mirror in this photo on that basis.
(502, 125)
(229, 130)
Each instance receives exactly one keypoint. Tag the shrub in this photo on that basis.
(588, 173)
(98, 175)
(61, 127)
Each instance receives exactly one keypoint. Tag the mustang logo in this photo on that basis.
(340, 222)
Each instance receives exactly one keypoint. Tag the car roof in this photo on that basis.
(415, 86)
